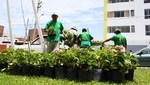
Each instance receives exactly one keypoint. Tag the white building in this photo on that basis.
(131, 16)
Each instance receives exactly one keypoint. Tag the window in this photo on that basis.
(125, 13)
(132, 28)
(132, 13)
(127, 28)
(146, 1)
(145, 51)
(147, 29)
(119, 14)
(124, 29)
(147, 13)
(117, 1)
(111, 14)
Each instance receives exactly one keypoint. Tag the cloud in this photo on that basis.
(71, 13)
(70, 7)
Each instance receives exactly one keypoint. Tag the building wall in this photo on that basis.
(1, 30)
(4, 46)
(139, 21)
(34, 31)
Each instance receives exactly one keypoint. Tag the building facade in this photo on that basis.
(132, 17)
(33, 33)
(1, 30)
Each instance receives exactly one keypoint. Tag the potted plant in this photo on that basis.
(132, 63)
(113, 64)
(72, 59)
(36, 64)
(60, 63)
(24, 60)
(106, 58)
(6, 57)
(51, 31)
(17, 59)
(68, 38)
(87, 61)
(48, 62)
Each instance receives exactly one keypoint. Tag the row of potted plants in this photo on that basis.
(107, 59)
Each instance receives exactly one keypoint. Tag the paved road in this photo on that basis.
(143, 67)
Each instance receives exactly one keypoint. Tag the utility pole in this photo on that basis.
(25, 25)
(38, 7)
(38, 26)
(10, 25)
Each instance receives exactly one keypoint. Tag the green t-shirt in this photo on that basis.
(119, 39)
(58, 27)
(85, 39)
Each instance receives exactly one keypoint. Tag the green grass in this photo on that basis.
(141, 77)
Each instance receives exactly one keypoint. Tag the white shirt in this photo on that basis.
(73, 32)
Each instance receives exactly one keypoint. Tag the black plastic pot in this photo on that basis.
(96, 74)
(130, 75)
(37, 71)
(60, 72)
(17, 70)
(84, 75)
(3, 65)
(72, 74)
(117, 76)
(106, 75)
(26, 70)
(49, 72)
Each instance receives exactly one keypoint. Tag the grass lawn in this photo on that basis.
(141, 77)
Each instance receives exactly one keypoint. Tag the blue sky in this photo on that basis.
(79, 13)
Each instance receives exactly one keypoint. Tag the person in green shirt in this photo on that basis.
(53, 40)
(85, 39)
(118, 39)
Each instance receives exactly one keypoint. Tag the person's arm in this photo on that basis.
(78, 39)
(106, 41)
(62, 29)
(75, 39)
(47, 26)
(91, 38)
(125, 43)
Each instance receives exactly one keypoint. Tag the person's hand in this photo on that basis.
(75, 45)
(44, 42)
(64, 35)
(102, 44)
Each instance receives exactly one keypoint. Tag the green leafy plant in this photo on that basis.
(72, 58)
(106, 57)
(51, 31)
(15, 57)
(6, 56)
(87, 59)
(35, 59)
(68, 35)
(116, 58)
(131, 62)
(60, 58)
(48, 59)
(68, 38)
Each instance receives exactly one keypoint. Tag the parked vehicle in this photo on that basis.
(143, 56)
(32, 45)
(35, 45)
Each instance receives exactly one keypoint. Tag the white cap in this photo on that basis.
(54, 14)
